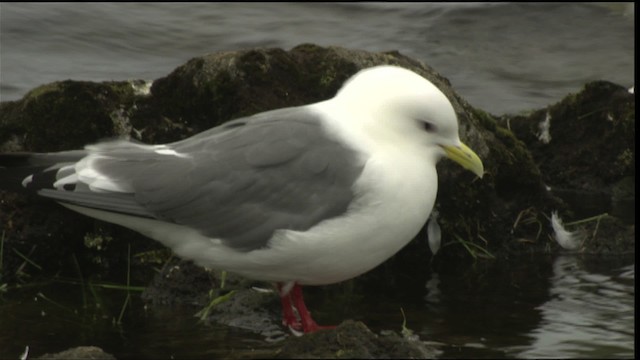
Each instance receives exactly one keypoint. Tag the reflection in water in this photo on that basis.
(569, 306)
(589, 314)
(538, 306)
(433, 291)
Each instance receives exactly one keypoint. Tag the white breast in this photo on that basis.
(394, 197)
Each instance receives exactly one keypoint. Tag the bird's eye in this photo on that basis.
(428, 127)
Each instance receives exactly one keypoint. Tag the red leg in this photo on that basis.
(308, 324)
(289, 318)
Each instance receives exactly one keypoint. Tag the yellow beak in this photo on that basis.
(464, 156)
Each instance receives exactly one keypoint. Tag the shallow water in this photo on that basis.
(581, 308)
(501, 57)
(534, 307)
(504, 57)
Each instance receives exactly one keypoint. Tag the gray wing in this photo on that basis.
(239, 182)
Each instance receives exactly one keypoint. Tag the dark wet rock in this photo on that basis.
(79, 353)
(592, 128)
(610, 236)
(66, 115)
(180, 283)
(584, 147)
(505, 212)
(239, 302)
(255, 309)
(353, 340)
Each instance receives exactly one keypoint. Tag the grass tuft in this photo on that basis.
(476, 251)
(204, 313)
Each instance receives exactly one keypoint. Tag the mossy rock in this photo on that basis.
(209, 90)
(66, 115)
(353, 340)
(584, 146)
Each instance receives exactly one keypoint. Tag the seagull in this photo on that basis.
(307, 195)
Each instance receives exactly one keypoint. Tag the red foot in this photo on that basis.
(292, 302)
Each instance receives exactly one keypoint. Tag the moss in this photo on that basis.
(97, 241)
(515, 169)
(596, 130)
(209, 90)
(485, 120)
(68, 114)
(156, 257)
(624, 161)
(11, 132)
(42, 89)
(256, 64)
(510, 149)
(514, 148)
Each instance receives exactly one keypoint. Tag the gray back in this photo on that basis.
(239, 182)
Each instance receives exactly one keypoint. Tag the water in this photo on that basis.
(502, 57)
(570, 307)
(577, 321)
(536, 307)
(505, 57)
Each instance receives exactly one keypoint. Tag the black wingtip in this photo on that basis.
(20, 173)
(16, 169)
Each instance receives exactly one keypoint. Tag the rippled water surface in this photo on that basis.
(505, 57)
(570, 307)
(502, 57)
(538, 307)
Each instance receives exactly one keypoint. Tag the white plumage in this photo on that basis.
(362, 166)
